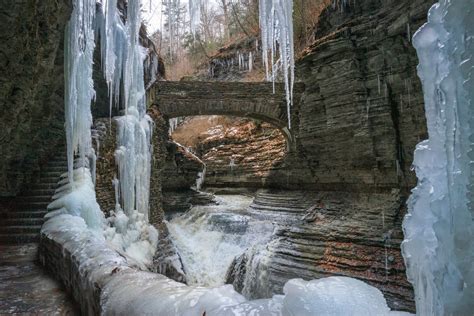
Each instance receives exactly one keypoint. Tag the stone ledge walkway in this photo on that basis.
(26, 289)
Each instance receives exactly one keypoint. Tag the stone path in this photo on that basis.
(25, 288)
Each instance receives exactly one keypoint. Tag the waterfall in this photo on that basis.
(208, 238)
(438, 247)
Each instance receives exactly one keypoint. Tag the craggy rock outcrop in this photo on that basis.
(323, 234)
(242, 155)
(225, 65)
(362, 111)
(181, 168)
(31, 87)
(356, 129)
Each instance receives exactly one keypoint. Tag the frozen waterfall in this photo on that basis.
(439, 230)
(122, 61)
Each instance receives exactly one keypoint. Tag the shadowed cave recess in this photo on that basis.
(246, 157)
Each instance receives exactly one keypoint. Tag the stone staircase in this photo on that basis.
(22, 224)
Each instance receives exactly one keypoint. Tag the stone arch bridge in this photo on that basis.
(245, 99)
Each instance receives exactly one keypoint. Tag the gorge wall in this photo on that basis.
(362, 112)
(31, 87)
(342, 192)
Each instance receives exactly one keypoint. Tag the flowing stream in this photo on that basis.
(208, 238)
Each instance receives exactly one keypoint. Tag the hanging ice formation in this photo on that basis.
(439, 230)
(76, 195)
(122, 60)
(79, 86)
(276, 25)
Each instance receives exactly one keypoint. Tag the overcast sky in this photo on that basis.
(154, 16)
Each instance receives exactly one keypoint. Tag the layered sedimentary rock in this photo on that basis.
(355, 129)
(241, 155)
(31, 81)
(362, 111)
(320, 234)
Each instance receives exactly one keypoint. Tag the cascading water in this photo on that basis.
(208, 238)
(438, 246)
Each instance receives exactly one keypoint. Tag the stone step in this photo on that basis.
(22, 221)
(19, 238)
(25, 214)
(50, 180)
(50, 174)
(44, 186)
(40, 192)
(36, 198)
(23, 205)
(56, 168)
(20, 229)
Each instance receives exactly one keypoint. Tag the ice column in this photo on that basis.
(79, 87)
(438, 246)
(276, 25)
(123, 58)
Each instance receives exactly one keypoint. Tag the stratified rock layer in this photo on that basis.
(31, 87)
(362, 111)
(324, 234)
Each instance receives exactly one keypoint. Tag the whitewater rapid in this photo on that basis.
(209, 237)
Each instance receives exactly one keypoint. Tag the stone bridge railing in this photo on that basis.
(255, 100)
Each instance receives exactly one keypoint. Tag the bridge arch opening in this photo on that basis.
(237, 151)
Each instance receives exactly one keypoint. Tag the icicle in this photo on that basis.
(250, 62)
(438, 229)
(79, 87)
(276, 24)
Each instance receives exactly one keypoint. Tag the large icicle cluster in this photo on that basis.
(76, 194)
(122, 61)
(439, 231)
(79, 48)
(123, 64)
(276, 25)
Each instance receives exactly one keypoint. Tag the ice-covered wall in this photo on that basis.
(103, 283)
(438, 246)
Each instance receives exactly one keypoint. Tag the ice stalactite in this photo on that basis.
(438, 247)
(276, 25)
(122, 62)
(79, 45)
(76, 193)
(130, 231)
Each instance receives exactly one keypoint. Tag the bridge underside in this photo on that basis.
(257, 100)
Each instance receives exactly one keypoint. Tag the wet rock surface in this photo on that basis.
(26, 289)
(323, 234)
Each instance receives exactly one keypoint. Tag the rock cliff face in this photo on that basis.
(31, 87)
(320, 234)
(362, 112)
(356, 128)
(242, 155)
